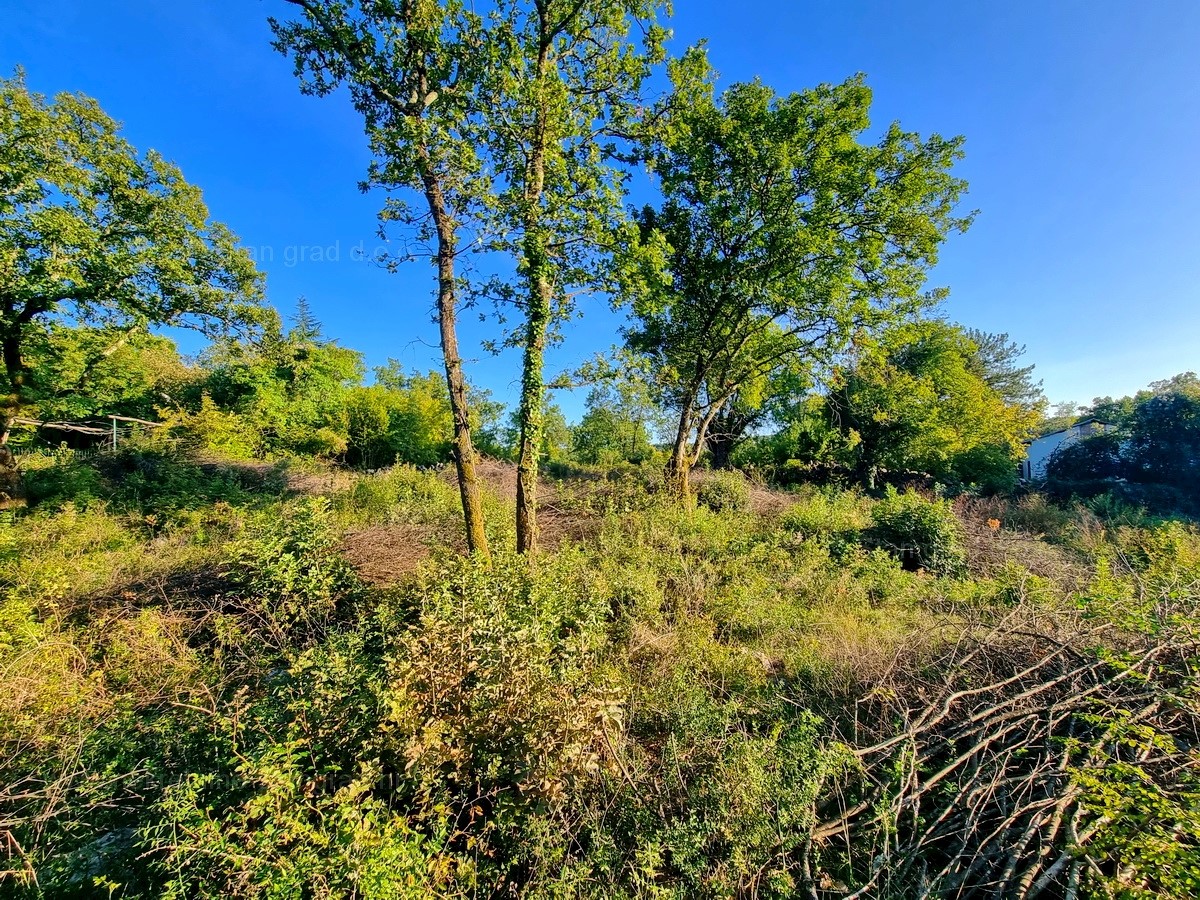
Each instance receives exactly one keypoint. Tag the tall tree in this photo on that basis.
(770, 398)
(782, 233)
(913, 399)
(94, 233)
(505, 122)
(563, 98)
(414, 69)
(1162, 434)
(997, 361)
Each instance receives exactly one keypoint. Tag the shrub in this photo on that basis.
(988, 468)
(401, 492)
(923, 533)
(289, 564)
(724, 492)
(1097, 458)
(60, 479)
(1035, 514)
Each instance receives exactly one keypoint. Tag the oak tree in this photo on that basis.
(782, 231)
(414, 70)
(95, 234)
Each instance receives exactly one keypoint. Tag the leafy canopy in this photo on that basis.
(914, 400)
(781, 232)
(96, 234)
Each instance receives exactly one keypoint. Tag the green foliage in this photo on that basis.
(724, 492)
(836, 519)
(914, 400)
(1148, 456)
(619, 422)
(850, 247)
(661, 707)
(922, 532)
(93, 233)
(402, 418)
(155, 482)
(287, 391)
(322, 846)
(399, 494)
(85, 372)
(997, 361)
(289, 568)
(1164, 437)
(1097, 458)
(210, 429)
(555, 435)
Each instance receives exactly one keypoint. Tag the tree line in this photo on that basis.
(778, 283)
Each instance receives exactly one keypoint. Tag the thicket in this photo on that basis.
(1149, 454)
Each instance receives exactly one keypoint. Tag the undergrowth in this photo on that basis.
(202, 699)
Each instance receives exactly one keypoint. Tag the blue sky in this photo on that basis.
(1082, 122)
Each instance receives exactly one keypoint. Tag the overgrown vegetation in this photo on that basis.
(1147, 455)
(814, 695)
(249, 649)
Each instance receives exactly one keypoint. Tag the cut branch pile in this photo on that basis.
(1012, 764)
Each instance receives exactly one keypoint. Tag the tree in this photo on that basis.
(564, 93)
(1061, 417)
(413, 69)
(504, 121)
(90, 372)
(996, 361)
(756, 404)
(782, 233)
(913, 399)
(290, 388)
(1164, 435)
(419, 422)
(554, 437)
(1150, 451)
(1099, 458)
(619, 423)
(95, 235)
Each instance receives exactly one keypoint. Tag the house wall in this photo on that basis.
(1038, 452)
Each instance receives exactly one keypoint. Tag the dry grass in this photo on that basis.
(994, 546)
(385, 554)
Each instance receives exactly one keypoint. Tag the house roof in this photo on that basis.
(1076, 424)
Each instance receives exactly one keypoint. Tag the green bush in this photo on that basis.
(724, 492)
(835, 517)
(291, 571)
(922, 532)
(399, 493)
(987, 468)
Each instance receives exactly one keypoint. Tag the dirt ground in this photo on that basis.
(384, 554)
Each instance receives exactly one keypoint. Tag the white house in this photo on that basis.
(1038, 452)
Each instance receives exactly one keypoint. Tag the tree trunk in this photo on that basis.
(720, 447)
(679, 464)
(536, 254)
(14, 367)
(464, 449)
(532, 390)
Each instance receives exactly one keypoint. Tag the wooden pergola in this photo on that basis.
(89, 426)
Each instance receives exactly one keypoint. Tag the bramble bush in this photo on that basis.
(724, 492)
(215, 706)
(923, 533)
(288, 566)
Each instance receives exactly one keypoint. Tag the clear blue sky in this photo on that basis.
(1082, 122)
